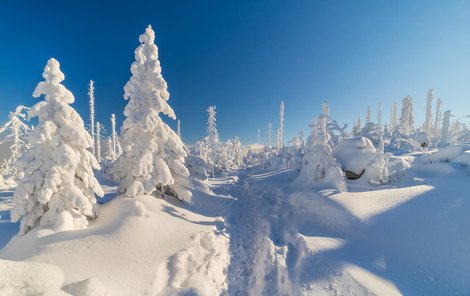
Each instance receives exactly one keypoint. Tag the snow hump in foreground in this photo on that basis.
(138, 246)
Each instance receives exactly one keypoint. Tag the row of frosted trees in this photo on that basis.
(58, 188)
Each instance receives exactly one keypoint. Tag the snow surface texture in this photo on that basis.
(153, 154)
(406, 239)
(138, 246)
(58, 188)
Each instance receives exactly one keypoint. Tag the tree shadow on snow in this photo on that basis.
(422, 246)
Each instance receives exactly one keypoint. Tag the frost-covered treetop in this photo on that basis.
(147, 90)
(51, 88)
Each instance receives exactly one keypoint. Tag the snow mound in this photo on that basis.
(88, 287)
(199, 269)
(125, 245)
(25, 279)
(455, 153)
(354, 154)
(366, 205)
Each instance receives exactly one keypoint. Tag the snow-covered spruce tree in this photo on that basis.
(58, 188)
(281, 124)
(393, 116)
(18, 136)
(369, 115)
(98, 142)
(406, 118)
(91, 94)
(445, 128)
(318, 164)
(212, 133)
(153, 156)
(427, 126)
(113, 137)
(356, 131)
(269, 134)
(109, 149)
(379, 114)
(437, 121)
(178, 128)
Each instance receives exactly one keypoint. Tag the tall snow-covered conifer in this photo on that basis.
(437, 121)
(178, 128)
(445, 128)
(406, 118)
(393, 116)
(428, 120)
(212, 133)
(113, 137)
(369, 115)
(281, 124)
(379, 114)
(98, 142)
(91, 94)
(269, 135)
(58, 188)
(153, 156)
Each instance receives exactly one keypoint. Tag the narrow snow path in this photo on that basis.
(264, 247)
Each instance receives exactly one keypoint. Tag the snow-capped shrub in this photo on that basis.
(359, 159)
(153, 154)
(354, 155)
(58, 186)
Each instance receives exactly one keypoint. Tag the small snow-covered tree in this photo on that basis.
(91, 94)
(445, 128)
(427, 127)
(109, 149)
(437, 121)
(153, 156)
(178, 128)
(318, 163)
(357, 127)
(379, 114)
(369, 115)
(113, 137)
(212, 133)
(281, 124)
(58, 188)
(393, 117)
(18, 136)
(406, 118)
(269, 134)
(98, 142)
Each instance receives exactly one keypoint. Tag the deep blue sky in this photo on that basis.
(244, 57)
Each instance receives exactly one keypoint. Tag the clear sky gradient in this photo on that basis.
(244, 57)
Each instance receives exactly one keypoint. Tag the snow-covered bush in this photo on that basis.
(58, 188)
(359, 159)
(153, 154)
